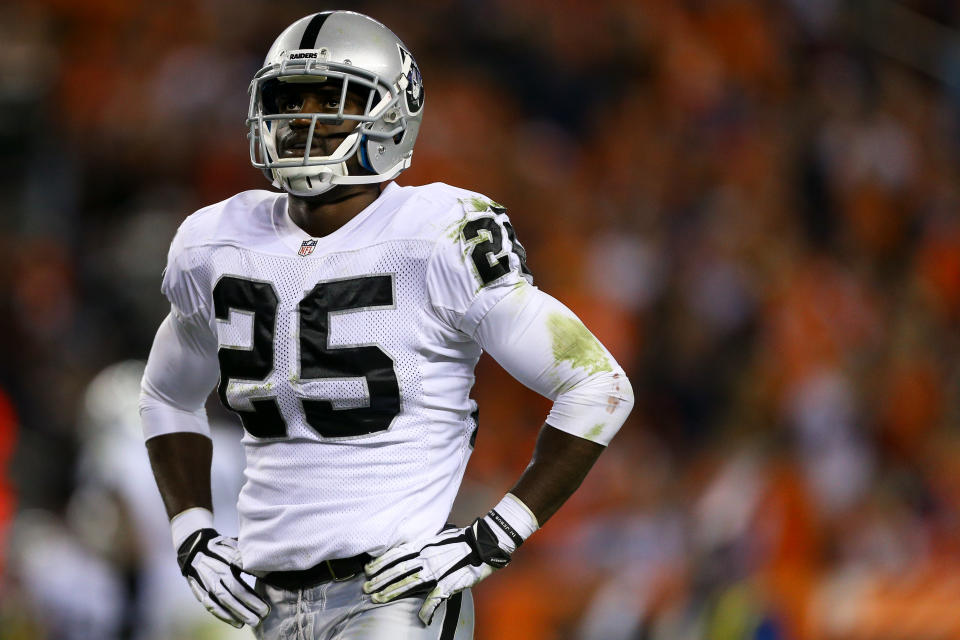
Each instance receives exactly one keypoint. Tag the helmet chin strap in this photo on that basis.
(316, 179)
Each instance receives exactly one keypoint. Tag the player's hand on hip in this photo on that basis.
(211, 564)
(451, 561)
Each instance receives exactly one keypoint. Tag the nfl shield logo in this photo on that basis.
(306, 248)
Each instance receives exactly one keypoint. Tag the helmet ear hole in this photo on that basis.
(364, 154)
(397, 139)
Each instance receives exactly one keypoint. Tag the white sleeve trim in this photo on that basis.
(543, 344)
(159, 418)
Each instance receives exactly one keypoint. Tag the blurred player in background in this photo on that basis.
(104, 572)
(344, 319)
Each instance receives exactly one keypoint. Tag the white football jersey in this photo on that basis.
(349, 359)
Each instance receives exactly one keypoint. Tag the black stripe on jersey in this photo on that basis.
(451, 617)
(309, 39)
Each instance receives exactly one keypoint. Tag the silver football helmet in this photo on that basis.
(355, 52)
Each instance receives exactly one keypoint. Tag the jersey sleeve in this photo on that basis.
(543, 344)
(475, 263)
(182, 280)
(181, 371)
(182, 367)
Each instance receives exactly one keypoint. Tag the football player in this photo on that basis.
(343, 318)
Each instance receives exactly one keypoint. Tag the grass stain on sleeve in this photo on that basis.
(454, 229)
(595, 431)
(573, 343)
(479, 204)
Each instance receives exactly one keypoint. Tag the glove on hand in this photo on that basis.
(211, 564)
(449, 562)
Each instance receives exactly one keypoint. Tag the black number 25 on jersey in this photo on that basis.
(318, 360)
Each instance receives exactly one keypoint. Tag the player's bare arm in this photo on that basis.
(181, 467)
(560, 463)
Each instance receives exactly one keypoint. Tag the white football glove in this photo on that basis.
(449, 562)
(211, 564)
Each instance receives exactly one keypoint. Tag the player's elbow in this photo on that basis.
(617, 400)
(159, 414)
(596, 407)
(621, 394)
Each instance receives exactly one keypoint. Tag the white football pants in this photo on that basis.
(341, 611)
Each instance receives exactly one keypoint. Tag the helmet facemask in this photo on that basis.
(379, 127)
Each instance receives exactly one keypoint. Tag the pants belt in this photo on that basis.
(337, 570)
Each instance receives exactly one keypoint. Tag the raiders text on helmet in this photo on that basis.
(355, 52)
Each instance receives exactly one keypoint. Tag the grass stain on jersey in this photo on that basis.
(573, 343)
(518, 293)
(479, 204)
(471, 205)
(595, 431)
(521, 288)
(454, 230)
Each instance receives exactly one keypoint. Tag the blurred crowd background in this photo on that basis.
(753, 203)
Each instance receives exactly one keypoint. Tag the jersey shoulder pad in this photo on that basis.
(236, 221)
(240, 219)
(476, 258)
(437, 210)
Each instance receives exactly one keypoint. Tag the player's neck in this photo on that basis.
(322, 215)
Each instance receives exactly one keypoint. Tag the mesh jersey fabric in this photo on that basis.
(308, 497)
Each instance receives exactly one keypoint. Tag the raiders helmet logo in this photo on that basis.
(414, 90)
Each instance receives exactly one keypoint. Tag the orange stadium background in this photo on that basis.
(753, 203)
